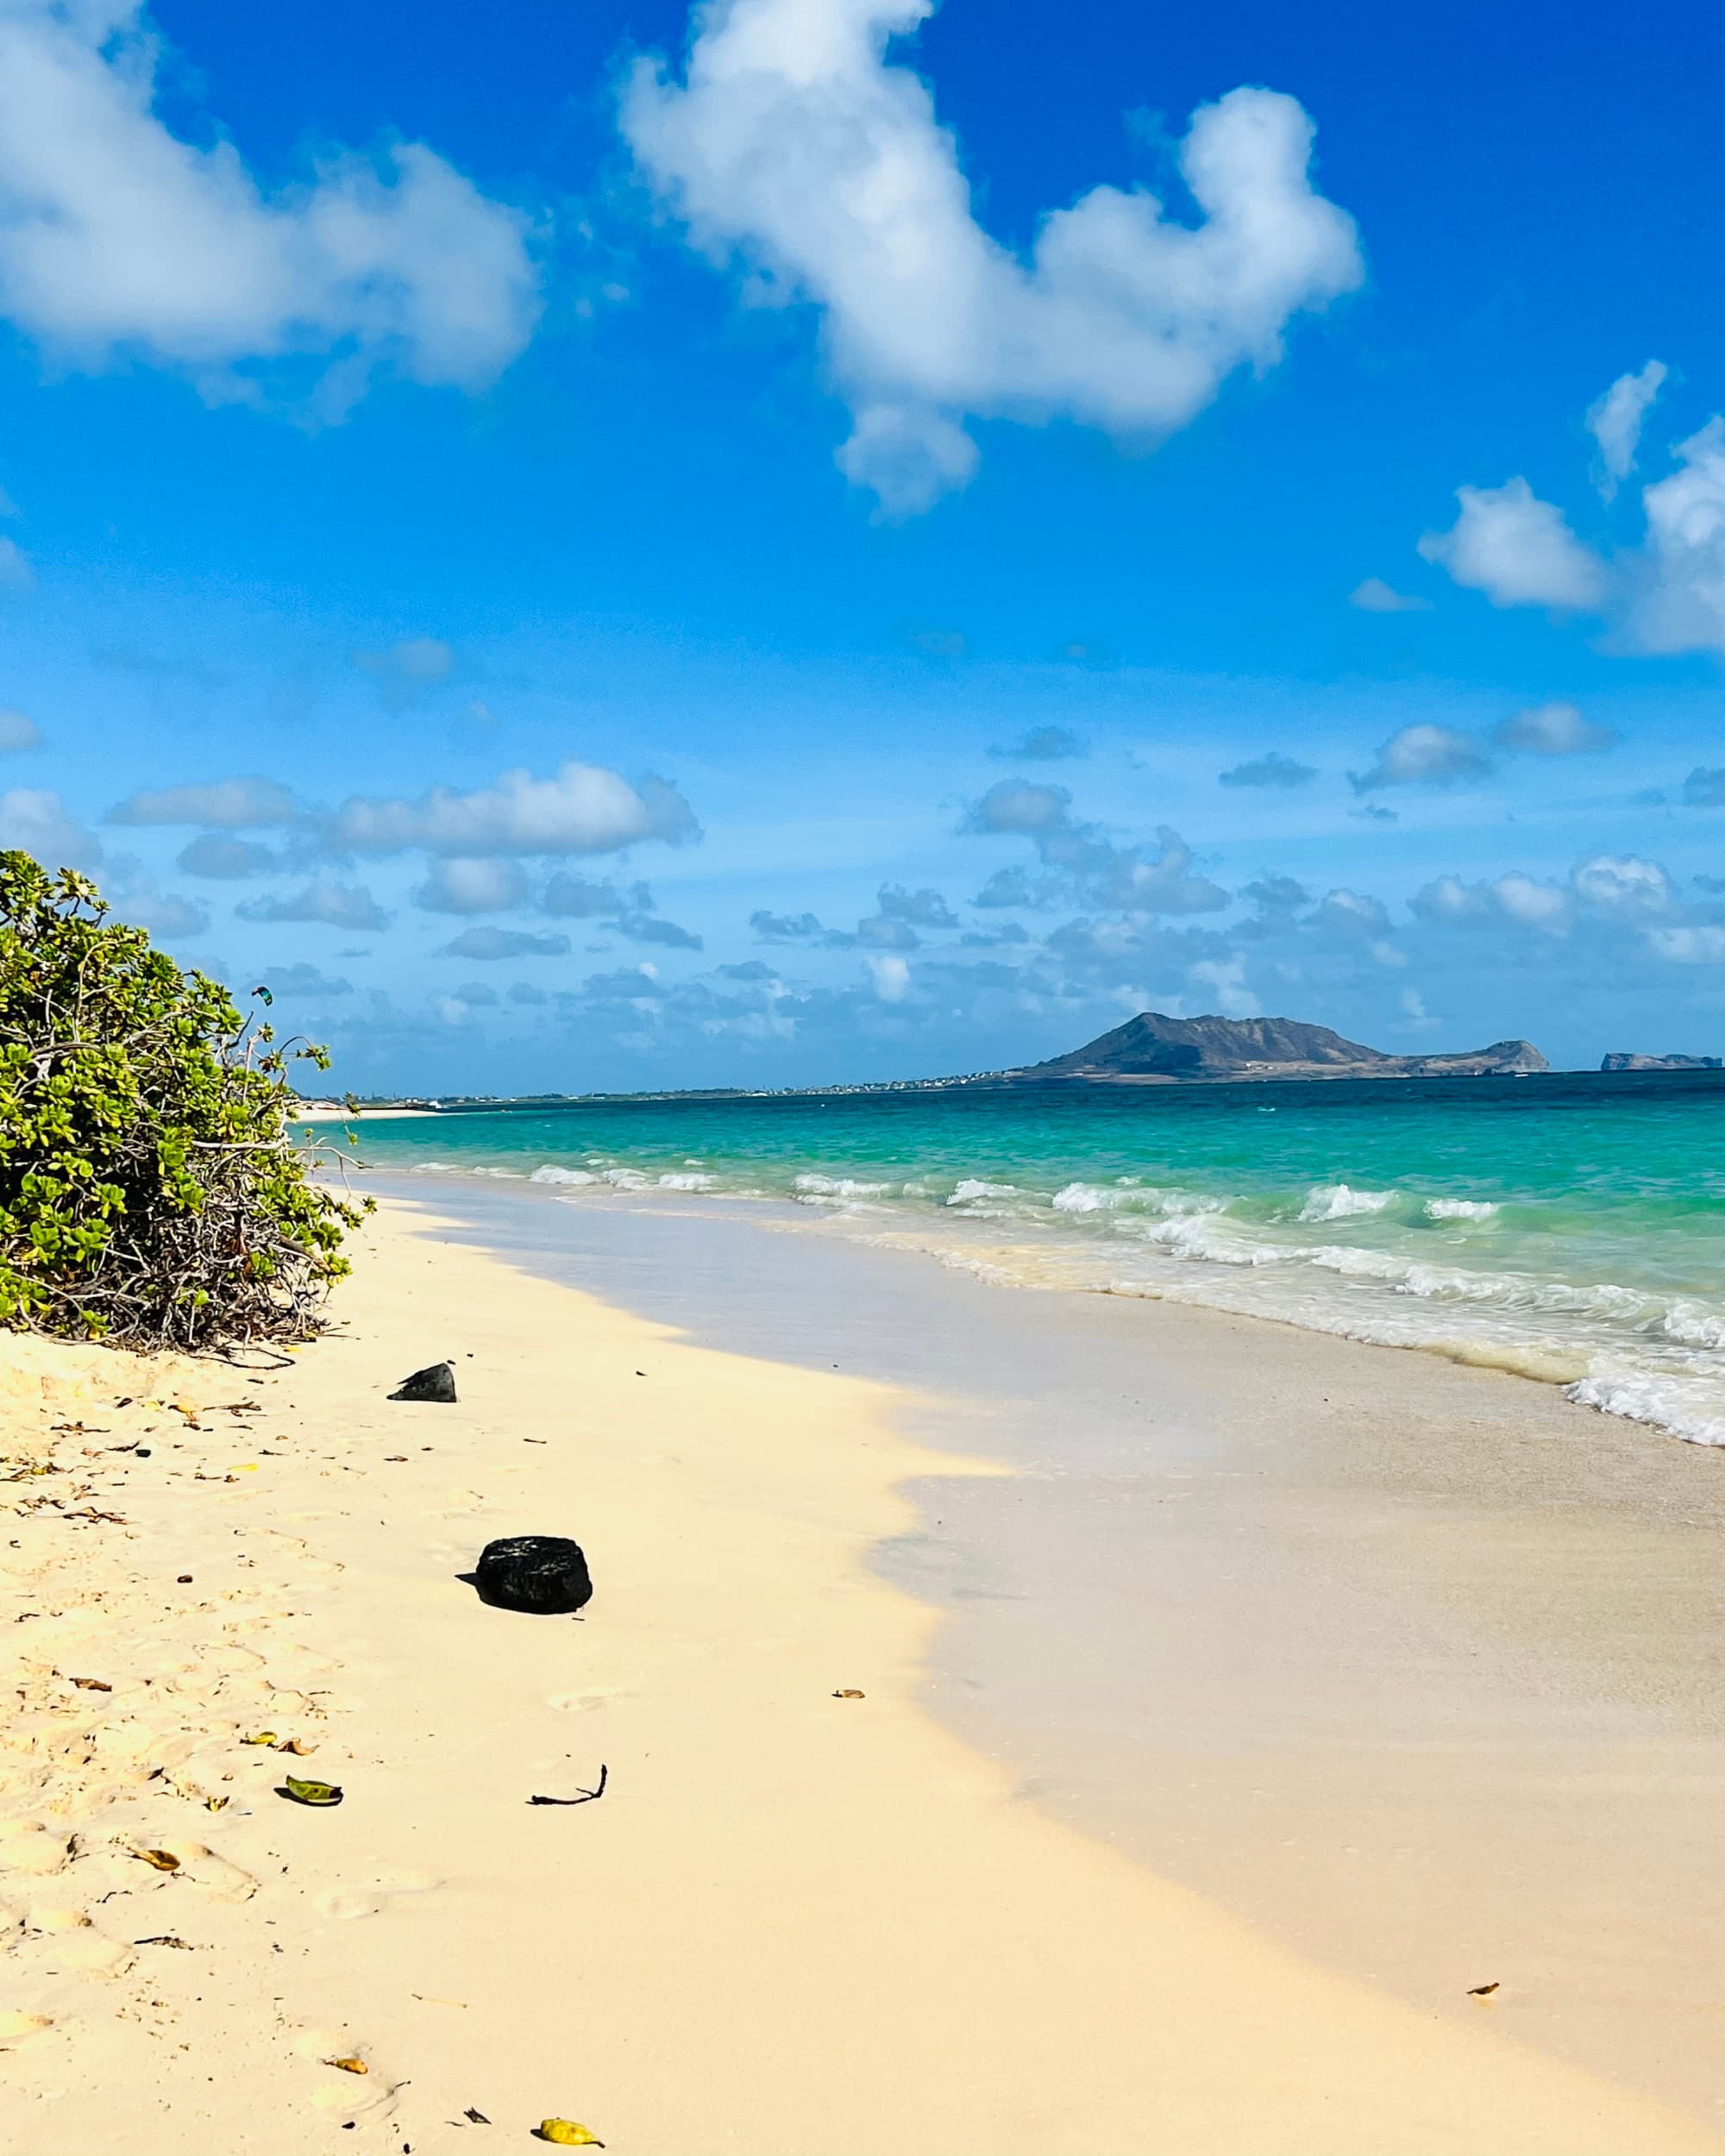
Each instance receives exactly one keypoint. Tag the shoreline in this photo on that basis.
(799, 1923)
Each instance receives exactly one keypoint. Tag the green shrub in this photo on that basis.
(150, 1191)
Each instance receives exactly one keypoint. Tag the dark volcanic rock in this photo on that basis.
(1155, 1048)
(545, 1574)
(1619, 1061)
(436, 1382)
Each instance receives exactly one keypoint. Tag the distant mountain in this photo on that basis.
(1153, 1048)
(1624, 1061)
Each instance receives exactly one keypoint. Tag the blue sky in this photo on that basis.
(871, 545)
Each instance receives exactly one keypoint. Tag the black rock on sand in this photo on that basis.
(436, 1381)
(544, 1575)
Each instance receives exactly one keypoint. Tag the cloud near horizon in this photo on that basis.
(793, 149)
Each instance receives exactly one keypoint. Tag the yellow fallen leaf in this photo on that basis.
(349, 2066)
(848, 1693)
(298, 1747)
(263, 1737)
(159, 1857)
(216, 1803)
(566, 2134)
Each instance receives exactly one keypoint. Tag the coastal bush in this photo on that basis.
(150, 1190)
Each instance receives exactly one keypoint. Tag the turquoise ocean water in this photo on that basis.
(1568, 1226)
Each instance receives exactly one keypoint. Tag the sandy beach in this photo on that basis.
(798, 1923)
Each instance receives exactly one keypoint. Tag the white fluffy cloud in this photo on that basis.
(1087, 865)
(117, 237)
(1554, 730)
(325, 903)
(1517, 549)
(39, 822)
(1680, 599)
(460, 886)
(584, 809)
(1623, 883)
(226, 804)
(794, 148)
(1616, 419)
(18, 730)
(1422, 755)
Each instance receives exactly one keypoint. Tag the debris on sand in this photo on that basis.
(436, 1381)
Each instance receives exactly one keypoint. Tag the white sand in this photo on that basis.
(796, 1925)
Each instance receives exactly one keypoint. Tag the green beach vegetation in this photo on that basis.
(150, 1189)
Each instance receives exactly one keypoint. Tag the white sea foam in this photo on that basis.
(688, 1182)
(972, 1187)
(1692, 1410)
(1460, 1209)
(822, 1189)
(1339, 1201)
(549, 1174)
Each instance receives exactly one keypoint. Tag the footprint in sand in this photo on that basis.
(27, 1846)
(214, 1874)
(373, 1898)
(85, 1952)
(340, 2090)
(585, 1702)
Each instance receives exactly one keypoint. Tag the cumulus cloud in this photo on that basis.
(1226, 979)
(1623, 883)
(1704, 787)
(1096, 872)
(1554, 730)
(119, 239)
(476, 993)
(459, 885)
(17, 731)
(226, 804)
(584, 809)
(920, 909)
(327, 904)
(1273, 772)
(1422, 755)
(226, 859)
(1517, 549)
(39, 822)
(1043, 744)
(892, 978)
(1700, 945)
(489, 942)
(525, 991)
(785, 928)
(793, 149)
(1374, 596)
(1616, 419)
(1520, 899)
(630, 911)
(1680, 591)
